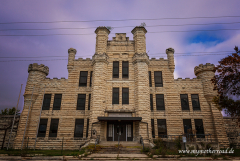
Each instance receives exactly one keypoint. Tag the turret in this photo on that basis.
(101, 39)
(170, 56)
(206, 73)
(71, 56)
(139, 39)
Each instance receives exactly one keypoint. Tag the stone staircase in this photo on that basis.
(110, 151)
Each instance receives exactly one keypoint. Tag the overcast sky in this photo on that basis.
(174, 24)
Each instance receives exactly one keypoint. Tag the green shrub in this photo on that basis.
(178, 144)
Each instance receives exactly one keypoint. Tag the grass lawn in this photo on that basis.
(16, 152)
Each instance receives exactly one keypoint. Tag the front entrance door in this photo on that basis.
(121, 129)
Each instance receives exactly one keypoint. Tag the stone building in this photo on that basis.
(120, 92)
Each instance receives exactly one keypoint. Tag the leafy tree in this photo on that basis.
(227, 83)
(10, 111)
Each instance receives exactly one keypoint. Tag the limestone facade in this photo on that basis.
(102, 116)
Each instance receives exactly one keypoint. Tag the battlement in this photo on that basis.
(102, 28)
(202, 68)
(36, 67)
(120, 37)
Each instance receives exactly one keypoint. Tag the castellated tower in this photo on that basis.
(170, 56)
(206, 73)
(71, 56)
(99, 63)
(37, 73)
(142, 100)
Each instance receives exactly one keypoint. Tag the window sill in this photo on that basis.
(185, 110)
(53, 138)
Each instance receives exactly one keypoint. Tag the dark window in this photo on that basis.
(87, 128)
(187, 126)
(46, 102)
(79, 124)
(42, 127)
(53, 128)
(125, 69)
(162, 128)
(115, 69)
(160, 102)
(184, 101)
(83, 79)
(195, 102)
(158, 79)
(57, 101)
(81, 101)
(153, 130)
(115, 97)
(151, 102)
(91, 78)
(89, 101)
(199, 128)
(150, 78)
(125, 95)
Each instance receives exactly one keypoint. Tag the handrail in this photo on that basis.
(141, 142)
(97, 140)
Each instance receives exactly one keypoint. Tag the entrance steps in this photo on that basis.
(110, 151)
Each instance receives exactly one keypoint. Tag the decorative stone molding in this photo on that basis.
(202, 68)
(140, 57)
(99, 57)
(72, 50)
(36, 67)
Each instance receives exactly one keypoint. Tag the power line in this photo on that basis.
(122, 20)
(67, 59)
(127, 33)
(80, 28)
(226, 52)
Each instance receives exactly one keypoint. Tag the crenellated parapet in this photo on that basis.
(41, 68)
(139, 39)
(101, 39)
(99, 58)
(170, 56)
(140, 57)
(71, 57)
(202, 68)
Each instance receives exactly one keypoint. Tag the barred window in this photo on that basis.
(160, 102)
(79, 125)
(151, 102)
(91, 78)
(89, 101)
(81, 101)
(187, 126)
(57, 101)
(162, 128)
(195, 102)
(115, 96)
(199, 128)
(46, 102)
(125, 95)
(184, 101)
(83, 79)
(150, 78)
(158, 79)
(53, 128)
(42, 127)
(115, 69)
(125, 69)
(153, 130)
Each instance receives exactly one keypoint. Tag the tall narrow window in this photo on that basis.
(87, 128)
(160, 102)
(125, 69)
(46, 102)
(79, 124)
(57, 101)
(115, 69)
(125, 95)
(158, 79)
(187, 126)
(89, 101)
(91, 78)
(53, 128)
(150, 78)
(83, 79)
(115, 96)
(81, 101)
(162, 128)
(195, 102)
(199, 128)
(151, 102)
(184, 101)
(153, 130)
(42, 127)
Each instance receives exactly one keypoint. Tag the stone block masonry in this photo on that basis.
(87, 95)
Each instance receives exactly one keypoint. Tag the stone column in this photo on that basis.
(206, 73)
(142, 94)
